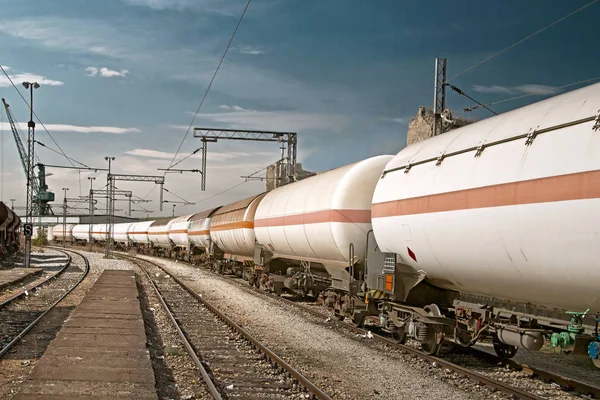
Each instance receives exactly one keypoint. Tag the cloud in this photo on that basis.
(19, 78)
(77, 128)
(225, 7)
(105, 72)
(238, 117)
(522, 89)
(249, 50)
(211, 155)
(226, 107)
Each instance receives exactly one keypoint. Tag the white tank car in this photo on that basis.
(232, 227)
(511, 211)
(120, 233)
(317, 218)
(199, 230)
(100, 232)
(81, 232)
(138, 233)
(59, 233)
(178, 231)
(158, 233)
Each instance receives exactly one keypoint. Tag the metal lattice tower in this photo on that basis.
(439, 100)
(290, 138)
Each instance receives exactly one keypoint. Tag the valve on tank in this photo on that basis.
(566, 340)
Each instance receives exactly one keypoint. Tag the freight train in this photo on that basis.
(488, 231)
(10, 225)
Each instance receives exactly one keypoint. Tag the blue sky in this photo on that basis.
(124, 77)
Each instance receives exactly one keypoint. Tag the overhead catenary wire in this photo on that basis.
(211, 82)
(479, 63)
(406, 102)
(206, 91)
(537, 93)
(56, 151)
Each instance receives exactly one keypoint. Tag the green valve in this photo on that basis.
(562, 339)
(576, 325)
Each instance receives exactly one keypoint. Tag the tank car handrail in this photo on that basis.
(479, 148)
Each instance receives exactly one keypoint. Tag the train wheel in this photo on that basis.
(431, 336)
(504, 351)
(428, 337)
(400, 335)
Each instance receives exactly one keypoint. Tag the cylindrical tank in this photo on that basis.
(317, 218)
(138, 233)
(199, 230)
(158, 233)
(59, 234)
(232, 227)
(4, 212)
(6, 216)
(121, 230)
(505, 207)
(100, 232)
(178, 231)
(81, 232)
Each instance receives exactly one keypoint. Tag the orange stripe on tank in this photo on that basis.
(577, 186)
(316, 217)
(199, 233)
(233, 225)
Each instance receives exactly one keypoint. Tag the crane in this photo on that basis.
(42, 196)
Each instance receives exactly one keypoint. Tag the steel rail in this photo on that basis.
(316, 392)
(205, 376)
(34, 323)
(22, 293)
(567, 383)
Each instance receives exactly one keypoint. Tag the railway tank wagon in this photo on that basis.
(199, 235)
(232, 235)
(59, 234)
(100, 233)
(178, 233)
(311, 234)
(505, 208)
(138, 235)
(81, 233)
(121, 234)
(158, 235)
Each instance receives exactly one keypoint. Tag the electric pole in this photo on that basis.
(65, 217)
(439, 99)
(91, 179)
(30, 167)
(109, 207)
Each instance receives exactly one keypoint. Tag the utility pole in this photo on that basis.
(91, 179)
(439, 99)
(12, 204)
(174, 209)
(159, 180)
(30, 167)
(109, 207)
(65, 217)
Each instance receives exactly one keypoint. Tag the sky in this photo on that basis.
(124, 78)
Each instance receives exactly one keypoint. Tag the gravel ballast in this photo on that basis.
(342, 365)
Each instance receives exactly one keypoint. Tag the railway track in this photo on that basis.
(233, 363)
(566, 383)
(22, 311)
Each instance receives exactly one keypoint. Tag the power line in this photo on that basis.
(550, 90)
(57, 152)
(522, 40)
(208, 87)
(38, 118)
(406, 102)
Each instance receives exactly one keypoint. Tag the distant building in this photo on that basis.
(274, 179)
(421, 126)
